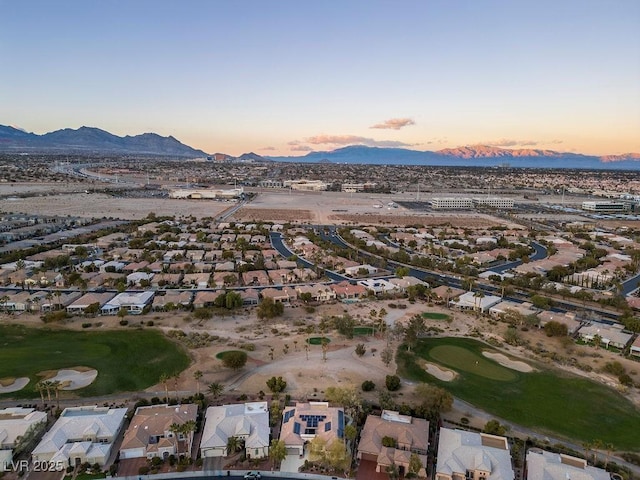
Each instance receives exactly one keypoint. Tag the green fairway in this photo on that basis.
(318, 340)
(361, 331)
(546, 400)
(435, 316)
(126, 361)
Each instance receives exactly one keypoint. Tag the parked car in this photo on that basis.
(252, 476)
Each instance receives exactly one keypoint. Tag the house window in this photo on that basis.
(255, 452)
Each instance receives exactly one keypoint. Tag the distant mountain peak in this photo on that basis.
(94, 140)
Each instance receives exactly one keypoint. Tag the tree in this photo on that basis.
(386, 355)
(434, 400)
(277, 452)
(413, 331)
(269, 309)
(197, 375)
(188, 428)
(202, 314)
(235, 359)
(415, 464)
(555, 329)
(176, 429)
(494, 427)
(392, 382)
(276, 384)
(337, 456)
(233, 445)
(164, 380)
(215, 389)
(368, 385)
(361, 349)
(345, 325)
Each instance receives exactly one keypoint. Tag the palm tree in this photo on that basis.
(233, 445)
(176, 429)
(187, 429)
(197, 375)
(40, 388)
(164, 378)
(216, 389)
(56, 386)
(49, 298)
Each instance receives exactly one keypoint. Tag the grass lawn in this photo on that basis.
(360, 331)
(126, 360)
(435, 316)
(546, 400)
(318, 340)
(221, 355)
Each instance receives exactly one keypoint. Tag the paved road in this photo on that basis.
(630, 284)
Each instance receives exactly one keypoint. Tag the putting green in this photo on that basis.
(462, 359)
(221, 355)
(361, 331)
(318, 340)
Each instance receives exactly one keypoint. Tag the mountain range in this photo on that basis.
(95, 140)
(475, 155)
(92, 140)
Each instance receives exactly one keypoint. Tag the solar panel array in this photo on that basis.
(289, 415)
(340, 424)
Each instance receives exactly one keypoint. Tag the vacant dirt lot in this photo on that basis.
(98, 205)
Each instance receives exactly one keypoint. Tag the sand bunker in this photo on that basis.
(17, 384)
(507, 362)
(440, 373)
(74, 379)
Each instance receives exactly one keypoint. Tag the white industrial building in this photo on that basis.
(494, 202)
(606, 207)
(306, 185)
(451, 202)
(206, 193)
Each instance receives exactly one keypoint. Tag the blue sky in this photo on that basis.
(286, 77)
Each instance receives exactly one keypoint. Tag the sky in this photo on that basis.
(289, 77)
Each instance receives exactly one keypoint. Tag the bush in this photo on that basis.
(368, 385)
(392, 383)
(143, 470)
(86, 325)
(124, 323)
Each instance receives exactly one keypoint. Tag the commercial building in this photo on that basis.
(606, 207)
(451, 203)
(306, 185)
(207, 193)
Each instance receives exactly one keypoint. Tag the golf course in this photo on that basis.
(126, 360)
(543, 399)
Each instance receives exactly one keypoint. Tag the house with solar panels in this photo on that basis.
(306, 421)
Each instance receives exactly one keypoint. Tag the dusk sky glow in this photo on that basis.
(288, 77)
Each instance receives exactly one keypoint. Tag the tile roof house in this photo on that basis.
(81, 434)
(466, 455)
(133, 302)
(409, 435)
(150, 434)
(246, 421)
(543, 465)
(14, 423)
(306, 421)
